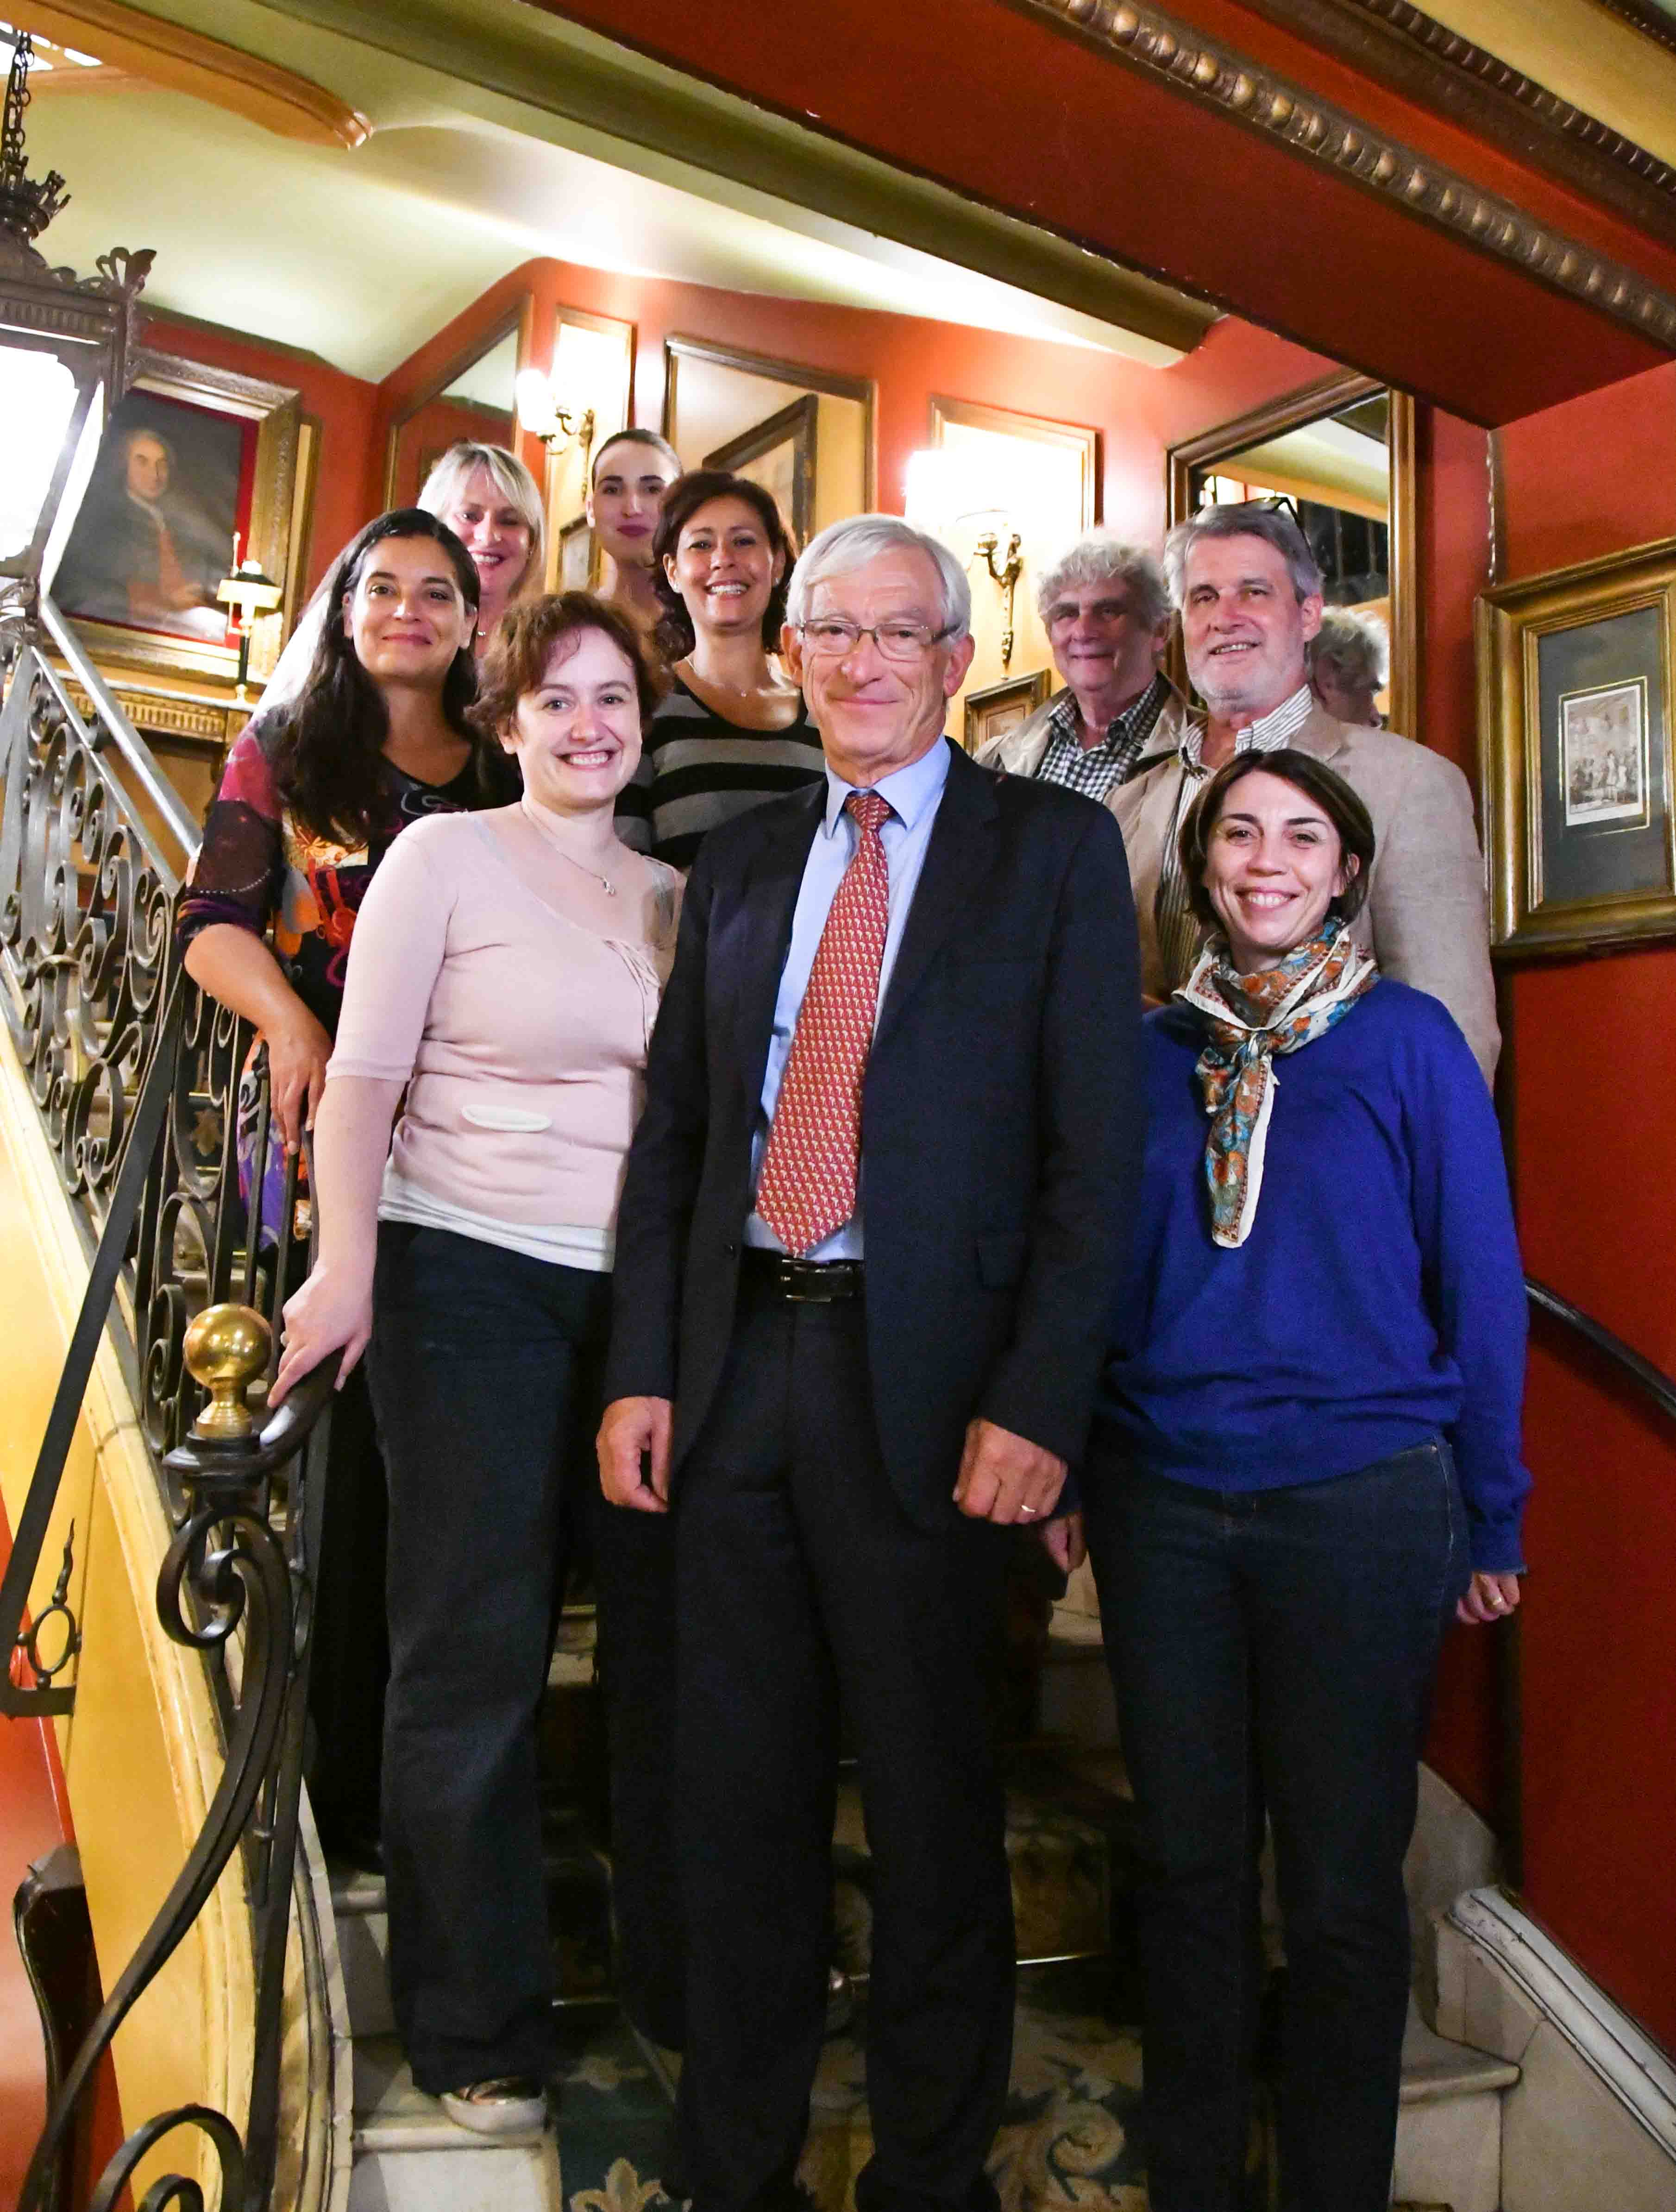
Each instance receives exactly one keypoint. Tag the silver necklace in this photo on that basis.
(603, 882)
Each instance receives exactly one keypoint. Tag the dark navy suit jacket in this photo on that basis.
(1002, 1124)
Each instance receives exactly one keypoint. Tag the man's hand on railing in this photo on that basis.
(298, 1050)
(332, 1311)
(1491, 1597)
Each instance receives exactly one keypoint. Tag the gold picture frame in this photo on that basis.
(999, 707)
(240, 403)
(1578, 770)
(779, 455)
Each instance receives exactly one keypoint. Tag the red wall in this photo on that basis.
(1138, 410)
(1589, 1067)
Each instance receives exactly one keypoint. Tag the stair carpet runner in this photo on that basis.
(1068, 2138)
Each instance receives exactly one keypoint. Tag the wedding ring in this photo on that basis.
(1028, 1512)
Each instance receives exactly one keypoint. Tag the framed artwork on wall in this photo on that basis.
(1575, 736)
(779, 454)
(190, 457)
(999, 707)
(575, 566)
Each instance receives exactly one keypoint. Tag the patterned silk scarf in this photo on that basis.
(1252, 1018)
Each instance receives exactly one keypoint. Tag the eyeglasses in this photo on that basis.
(830, 638)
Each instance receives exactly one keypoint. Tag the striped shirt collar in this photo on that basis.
(1266, 735)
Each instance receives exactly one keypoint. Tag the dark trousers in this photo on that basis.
(1274, 1651)
(633, 1570)
(802, 1581)
(350, 1662)
(485, 1373)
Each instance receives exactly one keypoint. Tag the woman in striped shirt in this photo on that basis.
(733, 731)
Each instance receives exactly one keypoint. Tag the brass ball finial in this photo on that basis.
(227, 1348)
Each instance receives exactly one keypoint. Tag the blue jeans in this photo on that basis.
(1273, 1651)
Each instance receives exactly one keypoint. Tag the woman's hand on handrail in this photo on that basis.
(298, 1051)
(331, 1312)
(1491, 1597)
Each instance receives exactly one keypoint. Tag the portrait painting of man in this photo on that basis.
(154, 536)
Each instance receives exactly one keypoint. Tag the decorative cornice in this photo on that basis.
(1290, 115)
(1651, 20)
(1402, 46)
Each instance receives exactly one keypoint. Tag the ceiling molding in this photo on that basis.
(1290, 115)
(1644, 16)
(168, 54)
(1412, 53)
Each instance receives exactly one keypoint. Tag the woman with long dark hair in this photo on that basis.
(312, 797)
(733, 731)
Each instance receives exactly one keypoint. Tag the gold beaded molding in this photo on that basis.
(1278, 109)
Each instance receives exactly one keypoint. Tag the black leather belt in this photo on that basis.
(800, 1282)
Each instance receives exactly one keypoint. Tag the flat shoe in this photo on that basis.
(511, 2104)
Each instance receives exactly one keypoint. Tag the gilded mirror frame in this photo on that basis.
(1291, 412)
(519, 318)
(678, 348)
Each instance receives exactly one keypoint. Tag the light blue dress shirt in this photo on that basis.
(914, 793)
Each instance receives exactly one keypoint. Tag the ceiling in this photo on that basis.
(360, 255)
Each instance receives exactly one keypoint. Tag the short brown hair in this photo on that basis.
(684, 497)
(1329, 790)
(523, 645)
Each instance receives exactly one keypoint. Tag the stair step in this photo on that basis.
(1433, 2068)
(1449, 2123)
(391, 2115)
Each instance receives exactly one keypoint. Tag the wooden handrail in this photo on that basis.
(1651, 1381)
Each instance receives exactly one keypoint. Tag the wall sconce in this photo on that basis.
(1006, 575)
(246, 593)
(940, 495)
(539, 412)
(63, 365)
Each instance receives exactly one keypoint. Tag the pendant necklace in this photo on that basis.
(603, 882)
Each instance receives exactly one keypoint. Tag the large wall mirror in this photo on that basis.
(473, 396)
(806, 435)
(1344, 452)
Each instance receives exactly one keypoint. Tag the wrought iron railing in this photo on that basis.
(141, 1082)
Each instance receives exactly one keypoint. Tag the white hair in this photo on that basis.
(1101, 556)
(1251, 518)
(843, 546)
(511, 479)
(1356, 646)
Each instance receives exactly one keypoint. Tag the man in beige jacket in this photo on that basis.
(1249, 594)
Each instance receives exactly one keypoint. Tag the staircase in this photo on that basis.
(1077, 2075)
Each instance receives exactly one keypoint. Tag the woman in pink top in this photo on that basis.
(505, 977)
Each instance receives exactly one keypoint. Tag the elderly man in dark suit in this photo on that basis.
(864, 1261)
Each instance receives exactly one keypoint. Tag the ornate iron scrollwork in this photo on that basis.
(144, 1085)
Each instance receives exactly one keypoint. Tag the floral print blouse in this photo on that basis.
(261, 869)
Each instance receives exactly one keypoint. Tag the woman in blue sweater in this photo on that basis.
(1307, 1457)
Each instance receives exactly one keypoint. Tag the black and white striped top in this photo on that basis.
(697, 768)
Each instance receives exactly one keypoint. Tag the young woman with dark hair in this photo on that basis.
(312, 797)
(733, 731)
(632, 473)
(506, 977)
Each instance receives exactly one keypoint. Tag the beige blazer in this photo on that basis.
(1425, 918)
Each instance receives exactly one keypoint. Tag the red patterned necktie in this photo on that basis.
(813, 1156)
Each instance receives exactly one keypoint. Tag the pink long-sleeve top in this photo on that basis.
(520, 1034)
